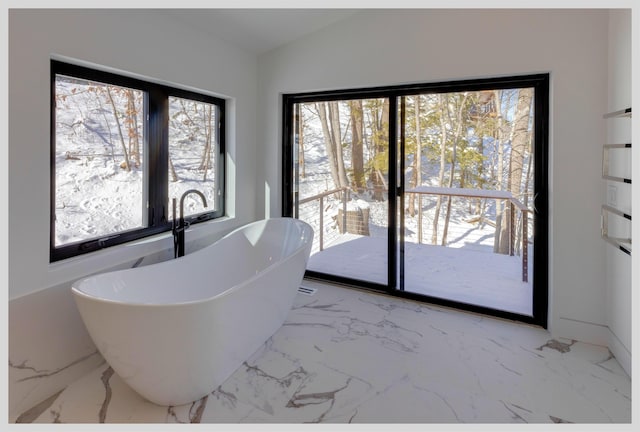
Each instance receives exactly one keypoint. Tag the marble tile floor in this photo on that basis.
(349, 356)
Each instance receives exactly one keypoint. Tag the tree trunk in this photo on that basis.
(174, 175)
(107, 125)
(115, 115)
(416, 177)
(527, 184)
(519, 144)
(301, 126)
(500, 243)
(357, 157)
(456, 138)
(132, 123)
(205, 163)
(334, 117)
(328, 142)
(380, 137)
(481, 124)
(443, 153)
(519, 140)
(525, 197)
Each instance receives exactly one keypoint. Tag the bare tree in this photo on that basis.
(357, 157)
(126, 163)
(416, 176)
(172, 170)
(500, 244)
(205, 162)
(519, 138)
(443, 108)
(459, 122)
(301, 124)
(329, 143)
(132, 125)
(334, 117)
(520, 144)
(379, 121)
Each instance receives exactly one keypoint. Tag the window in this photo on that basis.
(121, 150)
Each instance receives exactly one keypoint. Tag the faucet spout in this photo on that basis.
(178, 226)
(184, 195)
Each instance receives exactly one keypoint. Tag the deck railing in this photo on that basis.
(420, 191)
(514, 204)
(344, 193)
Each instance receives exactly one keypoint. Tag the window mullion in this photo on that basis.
(220, 168)
(158, 143)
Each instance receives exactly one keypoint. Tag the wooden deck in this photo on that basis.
(491, 194)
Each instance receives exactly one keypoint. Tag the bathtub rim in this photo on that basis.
(78, 292)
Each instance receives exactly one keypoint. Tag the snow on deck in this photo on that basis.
(460, 274)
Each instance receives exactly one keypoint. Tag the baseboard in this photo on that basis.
(583, 331)
(620, 352)
(597, 334)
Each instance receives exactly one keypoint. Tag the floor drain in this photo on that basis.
(307, 291)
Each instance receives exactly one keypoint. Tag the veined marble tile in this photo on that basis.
(49, 346)
(348, 356)
(63, 351)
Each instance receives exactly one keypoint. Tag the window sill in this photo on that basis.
(123, 256)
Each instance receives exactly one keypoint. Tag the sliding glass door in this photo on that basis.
(468, 180)
(340, 169)
(435, 192)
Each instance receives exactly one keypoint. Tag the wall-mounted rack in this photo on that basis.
(621, 113)
(622, 243)
(605, 162)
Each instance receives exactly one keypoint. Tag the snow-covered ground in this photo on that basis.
(95, 195)
(460, 274)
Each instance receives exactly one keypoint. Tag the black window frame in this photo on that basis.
(156, 126)
(541, 84)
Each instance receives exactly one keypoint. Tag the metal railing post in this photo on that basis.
(321, 201)
(344, 210)
(525, 246)
(419, 218)
(512, 231)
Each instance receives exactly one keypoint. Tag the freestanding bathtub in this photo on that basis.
(174, 331)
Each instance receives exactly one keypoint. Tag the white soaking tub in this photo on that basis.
(174, 331)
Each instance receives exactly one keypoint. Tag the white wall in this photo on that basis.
(618, 264)
(48, 345)
(388, 47)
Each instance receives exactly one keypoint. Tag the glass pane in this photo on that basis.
(99, 170)
(341, 159)
(468, 197)
(193, 154)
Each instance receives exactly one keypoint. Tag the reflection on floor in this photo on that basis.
(465, 275)
(349, 356)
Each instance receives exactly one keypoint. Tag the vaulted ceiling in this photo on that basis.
(258, 30)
